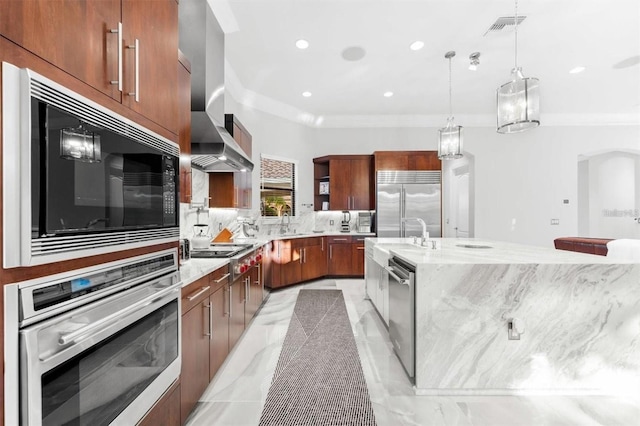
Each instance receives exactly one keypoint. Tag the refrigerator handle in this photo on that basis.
(403, 199)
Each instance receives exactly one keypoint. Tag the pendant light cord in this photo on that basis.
(516, 31)
(450, 101)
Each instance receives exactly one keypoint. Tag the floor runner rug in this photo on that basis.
(318, 379)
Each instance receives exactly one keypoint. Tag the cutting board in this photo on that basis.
(223, 237)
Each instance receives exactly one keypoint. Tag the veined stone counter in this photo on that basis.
(581, 316)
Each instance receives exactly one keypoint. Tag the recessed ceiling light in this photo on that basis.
(416, 45)
(388, 94)
(302, 44)
(306, 94)
(577, 70)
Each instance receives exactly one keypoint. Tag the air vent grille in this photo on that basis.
(405, 176)
(502, 23)
(98, 117)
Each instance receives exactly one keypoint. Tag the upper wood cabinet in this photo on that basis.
(83, 38)
(406, 160)
(350, 182)
(184, 129)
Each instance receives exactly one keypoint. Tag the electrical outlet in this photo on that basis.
(330, 222)
(555, 221)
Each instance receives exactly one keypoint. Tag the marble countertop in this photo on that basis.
(479, 251)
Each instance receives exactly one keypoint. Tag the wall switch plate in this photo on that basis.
(555, 221)
(330, 222)
(565, 201)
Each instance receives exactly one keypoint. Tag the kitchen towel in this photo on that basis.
(318, 379)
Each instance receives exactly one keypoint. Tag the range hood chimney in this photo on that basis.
(213, 149)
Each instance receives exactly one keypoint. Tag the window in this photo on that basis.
(277, 186)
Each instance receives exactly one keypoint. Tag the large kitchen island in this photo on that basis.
(577, 317)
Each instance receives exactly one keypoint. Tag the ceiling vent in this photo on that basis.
(504, 23)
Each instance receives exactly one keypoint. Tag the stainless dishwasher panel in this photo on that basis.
(402, 312)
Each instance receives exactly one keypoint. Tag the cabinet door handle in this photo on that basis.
(330, 252)
(247, 295)
(226, 290)
(304, 252)
(195, 296)
(359, 248)
(222, 278)
(322, 243)
(339, 239)
(118, 31)
(301, 254)
(136, 70)
(209, 307)
(230, 299)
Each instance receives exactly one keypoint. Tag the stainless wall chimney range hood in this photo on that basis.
(213, 149)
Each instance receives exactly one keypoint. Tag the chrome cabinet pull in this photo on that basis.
(136, 70)
(322, 243)
(330, 252)
(118, 31)
(209, 307)
(248, 294)
(195, 296)
(230, 299)
(339, 239)
(301, 255)
(222, 278)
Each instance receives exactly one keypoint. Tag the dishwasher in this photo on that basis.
(402, 312)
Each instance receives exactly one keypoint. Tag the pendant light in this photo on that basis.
(450, 136)
(519, 99)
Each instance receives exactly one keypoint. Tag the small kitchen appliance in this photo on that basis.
(364, 222)
(201, 238)
(346, 218)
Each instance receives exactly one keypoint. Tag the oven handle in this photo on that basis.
(66, 338)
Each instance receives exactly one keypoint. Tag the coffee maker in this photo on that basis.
(346, 218)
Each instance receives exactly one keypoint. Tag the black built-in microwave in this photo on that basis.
(89, 181)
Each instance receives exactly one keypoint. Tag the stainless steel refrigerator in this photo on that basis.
(408, 194)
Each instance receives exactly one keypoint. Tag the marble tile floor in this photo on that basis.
(238, 392)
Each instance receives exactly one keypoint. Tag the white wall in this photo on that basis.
(521, 180)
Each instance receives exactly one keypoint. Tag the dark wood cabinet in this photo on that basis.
(167, 410)
(196, 331)
(314, 259)
(236, 312)
(219, 343)
(357, 256)
(82, 38)
(406, 160)
(346, 256)
(184, 126)
(150, 78)
(295, 260)
(340, 256)
(255, 293)
(73, 35)
(350, 182)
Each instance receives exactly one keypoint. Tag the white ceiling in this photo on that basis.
(267, 71)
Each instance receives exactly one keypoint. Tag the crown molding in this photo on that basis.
(280, 109)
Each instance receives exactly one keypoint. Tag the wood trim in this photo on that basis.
(327, 158)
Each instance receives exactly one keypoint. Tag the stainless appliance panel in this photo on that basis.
(389, 210)
(422, 201)
(402, 313)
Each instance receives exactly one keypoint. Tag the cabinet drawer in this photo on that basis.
(339, 240)
(219, 278)
(195, 293)
(311, 241)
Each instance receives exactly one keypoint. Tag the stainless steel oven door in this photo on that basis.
(105, 363)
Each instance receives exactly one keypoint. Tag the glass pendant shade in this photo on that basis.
(80, 144)
(450, 141)
(518, 104)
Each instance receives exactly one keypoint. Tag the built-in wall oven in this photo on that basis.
(402, 308)
(93, 347)
(79, 179)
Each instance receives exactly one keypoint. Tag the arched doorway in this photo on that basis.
(458, 197)
(609, 194)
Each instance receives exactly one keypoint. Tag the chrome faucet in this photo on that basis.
(282, 228)
(424, 227)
